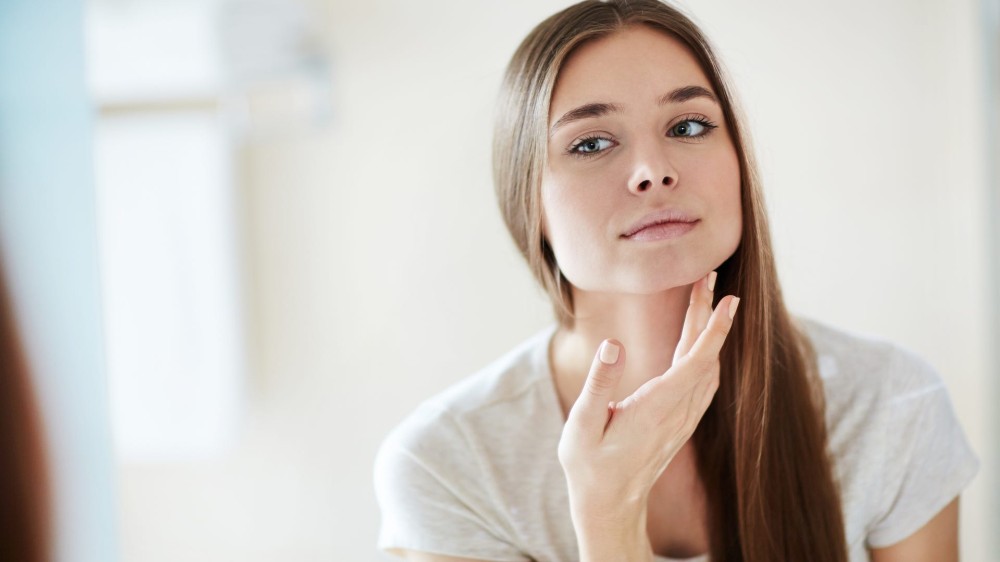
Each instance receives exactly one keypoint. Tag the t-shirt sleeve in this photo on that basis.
(431, 497)
(928, 459)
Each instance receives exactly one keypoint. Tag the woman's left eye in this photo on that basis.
(701, 127)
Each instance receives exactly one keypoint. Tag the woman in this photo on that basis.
(652, 421)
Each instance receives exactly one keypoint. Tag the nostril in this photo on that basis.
(643, 185)
(667, 180)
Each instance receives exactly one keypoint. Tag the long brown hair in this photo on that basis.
(761, 445)
(24, 508)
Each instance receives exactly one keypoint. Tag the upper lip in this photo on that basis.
(658, 217)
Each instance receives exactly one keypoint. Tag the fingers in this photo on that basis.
(591, 410)
(710, 341)
(698, 312)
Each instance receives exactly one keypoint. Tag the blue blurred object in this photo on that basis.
(48, 242)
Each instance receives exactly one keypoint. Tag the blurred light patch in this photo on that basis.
(276, 68)
(171, 289)
(180, 86)
(149, 50)
(167, 227)
(263, 64)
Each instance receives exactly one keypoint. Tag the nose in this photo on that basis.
(644, 184)
(652, 167)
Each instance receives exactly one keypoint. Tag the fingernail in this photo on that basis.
(609, 352)
(711, 281)
(732, 307)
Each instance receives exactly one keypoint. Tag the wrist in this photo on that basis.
(612, 536)
(601, 509)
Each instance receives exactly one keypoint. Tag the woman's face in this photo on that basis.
(605, 171)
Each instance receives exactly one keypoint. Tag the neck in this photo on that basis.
(649, 326)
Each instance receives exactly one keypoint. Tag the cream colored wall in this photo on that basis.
(380, 272)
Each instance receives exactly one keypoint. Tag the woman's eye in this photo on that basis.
(693, 128)
(590, 146)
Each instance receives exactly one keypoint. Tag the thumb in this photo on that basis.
(590, 411)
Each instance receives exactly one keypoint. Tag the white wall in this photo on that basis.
(380, 271)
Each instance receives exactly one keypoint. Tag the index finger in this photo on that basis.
(711, 340)
(698, 312)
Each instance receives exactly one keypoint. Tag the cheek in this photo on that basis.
(727, 197)
(724, 178)
(575, 217)
(571, 210)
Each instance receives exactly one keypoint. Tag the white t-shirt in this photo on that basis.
(473, 471)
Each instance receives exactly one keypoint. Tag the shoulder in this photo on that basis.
(877, 391)
(441, 474)
(503, 380)
(900, 452)
(466, 417)
(852, 362)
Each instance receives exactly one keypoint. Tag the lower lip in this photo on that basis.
(663, 231)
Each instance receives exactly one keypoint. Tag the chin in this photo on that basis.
(640, 277)
(651, 283)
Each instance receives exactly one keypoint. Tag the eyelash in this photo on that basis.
(708, 125)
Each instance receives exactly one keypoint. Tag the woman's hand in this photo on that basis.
(613, 453)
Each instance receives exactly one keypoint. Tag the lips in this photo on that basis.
(659, 217)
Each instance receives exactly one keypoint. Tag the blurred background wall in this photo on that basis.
(299, 241)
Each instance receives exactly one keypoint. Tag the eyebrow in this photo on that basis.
(586, 111)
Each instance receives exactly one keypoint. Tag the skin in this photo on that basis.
(650, 298)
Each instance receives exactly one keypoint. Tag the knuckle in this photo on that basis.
(689, 361)
(713, 384)
(703, 363)
(563, 454)
(724, 327)
(599, 382)
(566, 453)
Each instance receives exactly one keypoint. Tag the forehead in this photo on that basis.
(635, 65)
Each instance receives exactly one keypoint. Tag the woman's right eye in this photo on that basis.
(590, 146)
